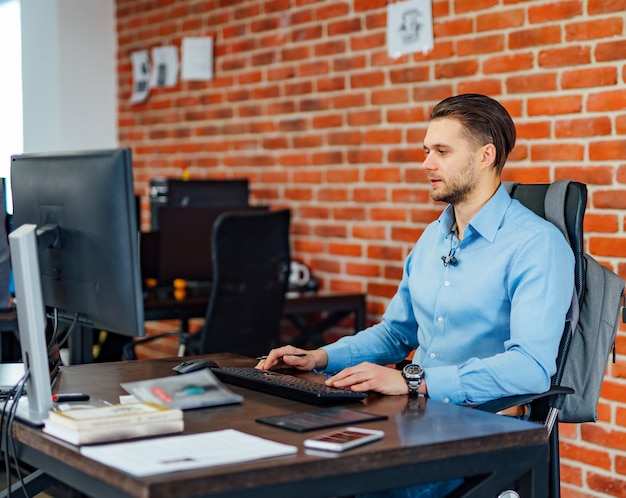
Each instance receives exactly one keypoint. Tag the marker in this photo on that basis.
(64, 398)
(299, 355)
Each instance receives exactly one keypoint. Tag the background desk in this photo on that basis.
(439, 442)
(160, 304)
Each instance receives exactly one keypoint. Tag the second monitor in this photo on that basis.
(182, 247)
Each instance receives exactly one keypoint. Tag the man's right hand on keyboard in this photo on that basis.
(294, 357)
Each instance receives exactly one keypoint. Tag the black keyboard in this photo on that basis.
(287, 386)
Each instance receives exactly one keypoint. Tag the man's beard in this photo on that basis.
(458, 188)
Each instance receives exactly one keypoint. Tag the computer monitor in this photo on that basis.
(208, 193)
(184, 242)
(75, 249)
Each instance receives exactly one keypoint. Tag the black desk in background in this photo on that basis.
(431, 441)
(311, 313)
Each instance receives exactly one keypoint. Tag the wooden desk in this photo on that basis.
(440, 442)
(160, 304)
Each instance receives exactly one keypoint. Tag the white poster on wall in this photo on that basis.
(141, 76)
(197, 58)
(164, 66)
(409, 27)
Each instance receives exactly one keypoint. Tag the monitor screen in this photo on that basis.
(184, 242)
(207, 193)
(92, 272)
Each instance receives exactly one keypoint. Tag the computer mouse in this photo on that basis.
(194, 365)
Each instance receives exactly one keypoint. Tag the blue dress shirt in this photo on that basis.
(489, 326)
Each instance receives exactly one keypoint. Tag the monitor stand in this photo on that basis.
(31, 319)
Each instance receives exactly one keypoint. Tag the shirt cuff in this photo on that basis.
(338, 357)
(443, 384)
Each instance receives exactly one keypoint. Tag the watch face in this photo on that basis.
(412, 370)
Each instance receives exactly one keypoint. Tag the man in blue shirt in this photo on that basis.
(485, 290)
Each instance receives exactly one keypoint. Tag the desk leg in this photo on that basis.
(81, 345)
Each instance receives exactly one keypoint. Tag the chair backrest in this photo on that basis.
(533, 196)
(251, 259)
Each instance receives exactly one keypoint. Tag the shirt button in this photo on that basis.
(446, 283)
(432, 355)
(440, 319)
(446, 400)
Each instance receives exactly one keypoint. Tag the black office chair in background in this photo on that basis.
(251, 259)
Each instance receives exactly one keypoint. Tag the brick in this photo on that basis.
(364, 156)
(605, 6)
(332, 195)
(548, 35)
(345, 249)
(588, 78)
(607, 150)
(369, 79)
(456, 69)
(409, 74)
(363, 269)
(596, 458)
(364, 118)
(485, 86)
(592, 175)
(609, 485)
(383, 136)
(330, 231)
(453, 27)
(563, 57)
(555, 11)
(481, 45)
(591, 30)
(557, 152)
(382, 175)
(601, 223)
(545, 82)
(508, 63)
(369, 195)
(583, 127)
(608, 246)
(461, 6)
(555, 105)
(611, 51)
(607, 101)
(500, 20)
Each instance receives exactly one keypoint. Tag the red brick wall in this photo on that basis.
(307, 104)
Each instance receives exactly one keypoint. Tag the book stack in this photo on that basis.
(113, 423)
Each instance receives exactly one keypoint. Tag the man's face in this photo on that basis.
(451, 161)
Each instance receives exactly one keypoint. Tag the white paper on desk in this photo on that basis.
(176, 453)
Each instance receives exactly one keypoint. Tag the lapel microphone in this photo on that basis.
(449, 259)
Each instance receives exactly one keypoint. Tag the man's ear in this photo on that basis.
(488, 156)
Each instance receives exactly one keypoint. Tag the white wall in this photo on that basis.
(69, 74)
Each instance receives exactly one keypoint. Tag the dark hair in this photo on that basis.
(485, 121)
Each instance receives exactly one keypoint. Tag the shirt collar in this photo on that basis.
(486, 221)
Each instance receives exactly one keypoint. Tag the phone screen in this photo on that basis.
(342, 437)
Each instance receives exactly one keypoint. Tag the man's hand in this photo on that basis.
(293, 357)
(370, 377)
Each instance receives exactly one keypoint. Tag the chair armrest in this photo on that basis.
(128, 350)
(496, 405)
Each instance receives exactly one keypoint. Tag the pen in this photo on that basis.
(300, 355)
(62, 398)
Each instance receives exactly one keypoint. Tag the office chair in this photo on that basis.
(545, 406)
(251, 259)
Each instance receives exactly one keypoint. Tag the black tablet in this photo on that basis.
(320, 419)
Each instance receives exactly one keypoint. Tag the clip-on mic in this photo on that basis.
(449, 259)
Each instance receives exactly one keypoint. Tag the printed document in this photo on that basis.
(193, 451)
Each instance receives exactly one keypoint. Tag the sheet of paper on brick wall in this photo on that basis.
(140, 61)
(197, 58)
(409, 27)
(164, 66)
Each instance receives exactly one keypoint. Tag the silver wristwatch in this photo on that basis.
(413, 375)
